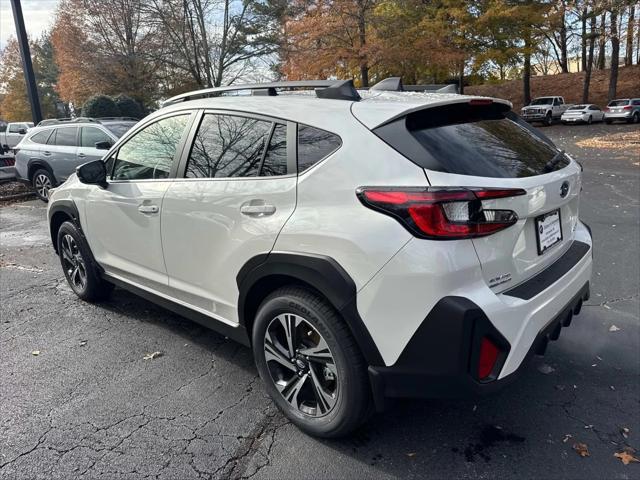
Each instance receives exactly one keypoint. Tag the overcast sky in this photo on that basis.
(38, 16)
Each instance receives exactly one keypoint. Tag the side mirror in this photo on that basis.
(93, 173)
(104, 145)
(22, 131)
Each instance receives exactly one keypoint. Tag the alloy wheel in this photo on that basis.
(42, 184)
(73, 263)
(301, 365)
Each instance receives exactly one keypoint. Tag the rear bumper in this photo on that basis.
(534, 117)
(441, 357)
(618, 116)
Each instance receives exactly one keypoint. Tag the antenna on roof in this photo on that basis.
(391, 84)
(341, 90)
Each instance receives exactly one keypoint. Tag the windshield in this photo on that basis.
(542, 101)
(618, 103)
(119, 128)
(578, 107)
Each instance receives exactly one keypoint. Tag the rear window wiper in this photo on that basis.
(551, 164)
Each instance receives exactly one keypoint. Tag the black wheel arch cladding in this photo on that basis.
(322, 273)
(59, 212)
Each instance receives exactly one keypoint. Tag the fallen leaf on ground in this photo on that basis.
(626, 457)
(83, 343)
(411, 454)
(625, 432)
(35, 353)
(151, 356)
(581, 449)
(613, 328)
(546, 369)
(566, 438)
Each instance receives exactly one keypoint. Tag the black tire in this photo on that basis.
(589, 120)
(608, 122)
(635, 118)
(42, 181)
(351, 392)
(78, 265)
(548, 120)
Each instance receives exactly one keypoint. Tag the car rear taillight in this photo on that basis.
(442, 213)
(628, 107)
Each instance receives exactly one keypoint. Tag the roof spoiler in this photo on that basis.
(394, 84)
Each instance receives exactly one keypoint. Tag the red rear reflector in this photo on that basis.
(488, 357)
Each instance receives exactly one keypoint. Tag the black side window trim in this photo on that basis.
(323, 158)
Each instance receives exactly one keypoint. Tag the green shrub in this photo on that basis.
(128, 106)
(100, 106)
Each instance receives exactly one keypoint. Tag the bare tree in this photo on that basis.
(628, 58)
(602, 42)
(615, 53)
(589, 63)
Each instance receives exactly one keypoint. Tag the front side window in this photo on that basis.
(314, 145)
(228, 146)
(149, 153)
(89, 136)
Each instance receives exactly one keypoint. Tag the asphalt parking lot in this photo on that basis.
(90, 406)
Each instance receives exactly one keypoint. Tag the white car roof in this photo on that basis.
(375, 108)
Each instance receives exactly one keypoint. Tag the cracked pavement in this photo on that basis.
(98, 410)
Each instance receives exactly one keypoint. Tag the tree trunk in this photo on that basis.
(602, 42)
(589, 63)
(362, 33)
(461, 78)
(615, 54)
(628, 58)
(564, 66)
(526, 72)
(583, 40)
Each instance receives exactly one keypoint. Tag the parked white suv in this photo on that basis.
(365, 244)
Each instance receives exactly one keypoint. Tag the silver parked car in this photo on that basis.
(627, 109)
(585, 113)
(51, 152)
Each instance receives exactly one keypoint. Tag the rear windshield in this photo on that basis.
(577, 107)
(479, 140)
(618, 103)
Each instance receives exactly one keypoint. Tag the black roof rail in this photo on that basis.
(58, 121)
(117, 118)
(336, 89)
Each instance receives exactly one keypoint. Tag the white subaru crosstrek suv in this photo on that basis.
(365, 244)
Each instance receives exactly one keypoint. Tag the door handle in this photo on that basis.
(81, 155)
(257, 210)
(148, 209)
(46, 154)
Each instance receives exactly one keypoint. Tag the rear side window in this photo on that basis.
(314, 145)
(89, 136)
(41, 137)
(479, 140)
(228, 146)
(67, 137)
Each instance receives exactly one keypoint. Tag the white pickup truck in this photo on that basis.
(544, 109)
(11, 134)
